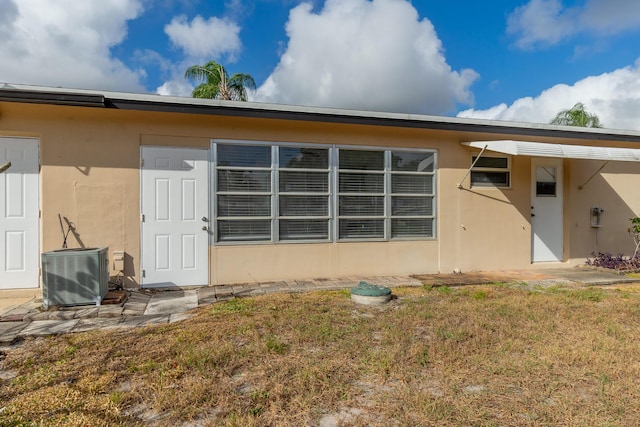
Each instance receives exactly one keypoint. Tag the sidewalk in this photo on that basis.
(145, 307)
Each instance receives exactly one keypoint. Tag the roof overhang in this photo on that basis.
(540, 149)
(183, 105)
(57, 98)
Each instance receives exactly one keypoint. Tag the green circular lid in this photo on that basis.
(368, 290)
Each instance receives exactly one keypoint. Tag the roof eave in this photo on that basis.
(171, 104)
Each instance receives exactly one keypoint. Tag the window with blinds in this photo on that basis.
(412, 194)
(303, 193)
(243, 193)
(384, 194)
(361, 193)
(287, 193)
(490, 171)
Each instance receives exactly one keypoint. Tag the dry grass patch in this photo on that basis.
(478, 355)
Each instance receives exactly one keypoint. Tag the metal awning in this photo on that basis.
(540, 149)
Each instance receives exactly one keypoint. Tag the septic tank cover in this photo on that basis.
(368, 290)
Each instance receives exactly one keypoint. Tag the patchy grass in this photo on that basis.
(481, 355)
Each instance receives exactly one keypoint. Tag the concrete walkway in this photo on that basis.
(145, 307)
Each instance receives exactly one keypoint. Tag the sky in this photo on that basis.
(503, 60)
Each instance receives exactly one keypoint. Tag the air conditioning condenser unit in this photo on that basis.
(75, 276)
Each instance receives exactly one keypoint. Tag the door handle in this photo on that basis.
(533, 214)
(204, 228)
(205, 219)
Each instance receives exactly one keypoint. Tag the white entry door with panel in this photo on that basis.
(175, 216)
(546, 210)
(19, 207)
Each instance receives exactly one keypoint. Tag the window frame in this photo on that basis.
(337, 194)
(278, 193)
(390, 194)
(506, 170)
(214, 208)
(332, 194)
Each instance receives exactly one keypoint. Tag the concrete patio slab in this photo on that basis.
(172, 302)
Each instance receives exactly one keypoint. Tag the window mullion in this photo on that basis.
(387, 195)
(275, 195)
(333, 188)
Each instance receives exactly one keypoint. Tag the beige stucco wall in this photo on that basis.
(615, 189)
(90, 175)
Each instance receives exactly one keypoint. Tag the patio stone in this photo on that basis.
(137, 301)
(36, 316)
(179, 317)
(127, 312)
(17, 317)
(91, 324)
(223, 290)
(172, 302)
(48, 327)
(147, 319)
(110, 311)
(87, 313)
(9, 331)
(206, 295)
(62, 315)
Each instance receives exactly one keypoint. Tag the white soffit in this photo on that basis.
(540, 149)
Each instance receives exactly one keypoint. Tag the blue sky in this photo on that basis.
(506, 60)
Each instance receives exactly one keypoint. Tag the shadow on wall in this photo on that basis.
(615, 190)
(129, 272)
(612, 188)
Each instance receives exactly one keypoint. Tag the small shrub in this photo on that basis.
(614, 262)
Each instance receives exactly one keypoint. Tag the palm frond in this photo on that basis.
(577, 116)
(217, 83)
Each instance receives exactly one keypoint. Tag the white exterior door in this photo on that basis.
(175, 216)
(546, 210)
(19, 207)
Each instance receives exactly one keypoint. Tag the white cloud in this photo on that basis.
(365, 54)
(66, 43)
(614, 97)
(547, 22)
(200, 41)
(205, 39)
(175, 87)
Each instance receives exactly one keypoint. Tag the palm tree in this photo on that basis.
(217, 84)
(577, 116)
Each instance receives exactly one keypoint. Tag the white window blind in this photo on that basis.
(491, 171)
(243, 192)
(286, 193)
(361, 192)
(412, 194)
(303, 197)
